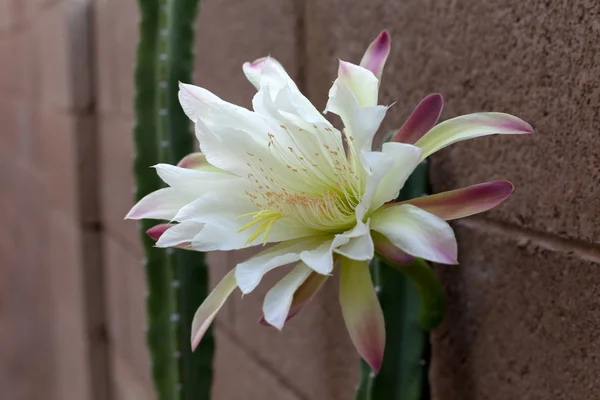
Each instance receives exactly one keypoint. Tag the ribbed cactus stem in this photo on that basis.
(160, 300)
(412, 301)
(177, 280)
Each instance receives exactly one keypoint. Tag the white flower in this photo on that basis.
(283, 174)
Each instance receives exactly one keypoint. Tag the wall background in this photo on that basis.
(523, 306)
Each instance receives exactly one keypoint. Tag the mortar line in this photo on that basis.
(579, 248)
(264, 364)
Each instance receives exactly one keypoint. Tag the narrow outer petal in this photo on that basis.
(278, 299)
(362, 312)
(377, 53)
(417, 232)
(161, 204)
(464, 202)
(387, 250)
(157, 230)
(304, 294)
(423, 118)
(468, 127)
(212, 304)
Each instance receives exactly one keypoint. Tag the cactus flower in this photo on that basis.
(283, 174)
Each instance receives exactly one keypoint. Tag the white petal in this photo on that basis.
(179, 234)
(192, 99)
(278, 300)
(214, 207)
(405, 159)
(468, 127)
(320, 259)
(161, 204)
(212, 304)
(250, 272)
(195, 180)
(361, 82)
(222, 236)
(417, 232)
(359, 248)
(360, 123)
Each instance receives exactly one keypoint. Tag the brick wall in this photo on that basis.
(522, 306)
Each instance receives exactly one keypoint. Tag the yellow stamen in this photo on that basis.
(265, 219)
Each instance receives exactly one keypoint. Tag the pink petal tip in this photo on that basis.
(423, 118)
(157, 231)
(377, 54)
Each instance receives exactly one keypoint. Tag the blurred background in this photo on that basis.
(523, 306)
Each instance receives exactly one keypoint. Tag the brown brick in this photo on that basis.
(313, 352)
(489, 56)
(239, 376)
(126, 296)
(105, 59)
(58, 159)
(51, 33)
(127, 383)
(71, 340)
(229, 34)
(25, 309)
(116, 174)
(521, 322)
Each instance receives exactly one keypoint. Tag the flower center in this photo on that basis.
(306, 179)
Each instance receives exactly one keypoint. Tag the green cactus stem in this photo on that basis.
(177, 280)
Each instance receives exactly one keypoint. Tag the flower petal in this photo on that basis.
(157, 230)
(360, 124)
(422, 119)
(387, 250)
(363, 84)
(180, 235)
(278, 299)
(303, 294)
(417, 232)
(197, 161)
(320, 259)
(405, 159)
(377, 53)
(468, 127)
(197, 181)
(461, 203)
(212, 304)
(161, 204)
(192, 97)
(362, 311)
(250, 272)
(267, 71)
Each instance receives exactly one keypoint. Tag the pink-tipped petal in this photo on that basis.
(468, 127)
(417, 232)
(461, 203)
(361, 311)
(161, 204)
(253, 70)
(387, 250)
(423, 118)
(377, 53)
(212, 304)
(157, 230)
(197, 161)
(303, 295)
